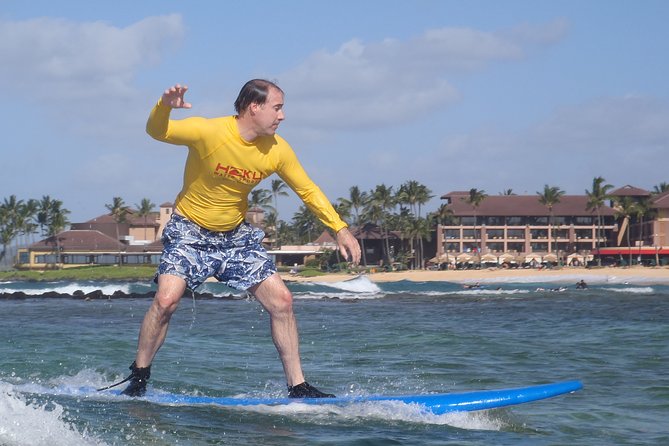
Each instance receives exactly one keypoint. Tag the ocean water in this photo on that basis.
(357, 338)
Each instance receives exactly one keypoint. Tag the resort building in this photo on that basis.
(512, 230)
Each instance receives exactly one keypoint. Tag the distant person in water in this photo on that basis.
(207, 235)
(581, 285)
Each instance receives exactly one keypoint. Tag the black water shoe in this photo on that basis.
(138, 379)
(306, 390)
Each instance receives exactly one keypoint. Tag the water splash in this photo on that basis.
(27, 422)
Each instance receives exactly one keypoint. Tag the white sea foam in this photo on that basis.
(631, 290)
(359, 284)
(25, 422)
(68, 288)
(381, 410)
(491, 292)
(359, 287)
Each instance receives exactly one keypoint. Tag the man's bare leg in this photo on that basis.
(153, 331)
(156, 320)
(275, 297)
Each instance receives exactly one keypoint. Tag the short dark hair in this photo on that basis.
(254, 91)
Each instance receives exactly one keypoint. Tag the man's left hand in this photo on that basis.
(348, 246)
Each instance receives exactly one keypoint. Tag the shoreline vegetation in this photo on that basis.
(146, 273)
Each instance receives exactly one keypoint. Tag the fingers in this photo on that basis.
(174, 97)
(348, 246)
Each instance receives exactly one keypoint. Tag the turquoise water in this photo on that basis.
(357, 338)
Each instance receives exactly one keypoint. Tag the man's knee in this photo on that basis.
(282, 301)
(166, 303)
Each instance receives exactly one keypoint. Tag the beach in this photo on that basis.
(645, 274)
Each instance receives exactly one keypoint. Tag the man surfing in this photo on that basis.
(207, 235)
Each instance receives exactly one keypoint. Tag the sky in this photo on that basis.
(493, 95)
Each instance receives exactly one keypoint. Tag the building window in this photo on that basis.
(495, 247)
(515, 221)
(46, 258)
(494, 221)
(105, 259)
(583, 220)
(452, 234)
(516, 246)
(515, 234)
(539, 247)
(76, 259)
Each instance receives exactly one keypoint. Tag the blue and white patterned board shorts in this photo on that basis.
(236, 258)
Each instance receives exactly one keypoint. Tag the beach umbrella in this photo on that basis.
(550, 258)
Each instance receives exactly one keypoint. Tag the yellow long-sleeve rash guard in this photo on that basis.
(222, 168)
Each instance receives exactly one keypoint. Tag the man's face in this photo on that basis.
(269, 115)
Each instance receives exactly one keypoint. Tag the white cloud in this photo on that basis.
(380, 83)
(57, 60)
(624, 139)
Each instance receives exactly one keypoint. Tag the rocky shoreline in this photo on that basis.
(100, 295)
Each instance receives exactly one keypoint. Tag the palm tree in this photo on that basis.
(10, 222)
(119, 212)
(270, 224)
(381, 200)
(474, 199)
(596, 199)
(418, 229)
(550, 197)
(305, 222)
(7, 230)
(625, 208)
(278, 189)
(661, 188)
(357, 201)
(260, 198)
(507, 192)
(643, 209)
(56, 223)
(415, 195)
(144, 209)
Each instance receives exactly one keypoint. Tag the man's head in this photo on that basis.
(254, 91)
(260, 103)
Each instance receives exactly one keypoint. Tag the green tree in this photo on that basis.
(550, 197)
(357, 201)
(474, 199)
(625, 207)
(144, 209)
(381, 200)
(661, 188)
(643, 209)
(119, 213)
(10, 222)
(305, 222)
(260, 198)
(278, 190)
(596, 199)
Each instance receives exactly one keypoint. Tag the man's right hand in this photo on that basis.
(174, 97)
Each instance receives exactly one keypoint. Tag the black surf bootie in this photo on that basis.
(138, 379)
(306, 390)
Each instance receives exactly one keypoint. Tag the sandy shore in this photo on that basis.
(646, 274)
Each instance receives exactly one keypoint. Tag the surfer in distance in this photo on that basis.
(207, 235)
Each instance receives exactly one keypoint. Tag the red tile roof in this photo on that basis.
(79, 240)
(521, 206)
(630, 191)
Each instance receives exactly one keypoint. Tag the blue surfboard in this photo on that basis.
(436, 404)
